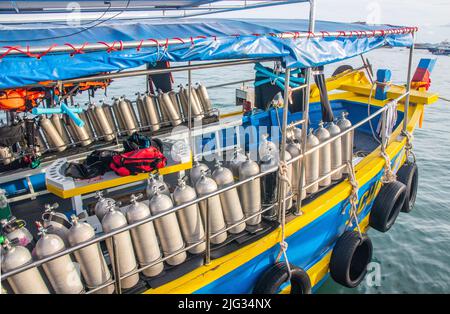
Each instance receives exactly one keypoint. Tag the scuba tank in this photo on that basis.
(143, 122)
(336, 150)
(167, 228)
(297, 132)
(294, 150)
(54, 139)
(231, 206)
(92, 262)
(347, 140)
(151, 112)
(156, 181)
(100, 123)
(173, 97)
(237, 159)
(312, 163)
(287, 188)
(127, 116)
(113, 220)
(206, 185)
(56, 223)
(204, 97)
(269, 183)
(250, 192)
(267, 146)
(117, 113)
(16, 232)
(109, 114)
(324, 155)
(61, 272)
(26, 282)
(196, 171)
(196, 109)
(82, 135)
(144, 237)
(169, 108)
(60, 126)
(189, 217)
(101, 207)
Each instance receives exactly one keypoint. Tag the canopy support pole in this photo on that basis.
(305, 116)
(408, 86)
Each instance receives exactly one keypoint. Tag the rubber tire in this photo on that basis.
(277, 274)
(340, 69)
(349, 259)
(408, 174)
(387, 206)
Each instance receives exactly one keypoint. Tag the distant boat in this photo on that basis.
(441, 49)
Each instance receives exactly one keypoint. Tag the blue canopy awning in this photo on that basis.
(31, 53)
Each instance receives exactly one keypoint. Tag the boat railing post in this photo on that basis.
(408, 85)
(116, 267)
(208, 237)
(282, 186)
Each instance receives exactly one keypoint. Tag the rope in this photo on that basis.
(409, 145)
(282, 174)
(353, 198)
(389, 175)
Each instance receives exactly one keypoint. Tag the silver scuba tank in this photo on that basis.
(250, 192)
(101, 207)
(294, 149)
(347, 140)
(90, 258)
(82, 135)
(122, 128)
(206, 185)
(113, 220)
(287, 188)
(167, 228)
(166, 103)
(266, 147)
(16, 232)
(312, 163)
(297, 134)
(197, 111)
(196, 171)
(336, 150)
(26, 282)
(56, 223)
(198, 100)
(156, 181)
(6, 156)
(109, 114)
(325, 155)
(144, 237)
(269, 183)
(204, 97)
(55, 140)
(174, 99)
(143, 122)
(128, 116)
(87, 124)
(100, 122)
(151, 112)
(189, 217)
(238, 158)
(60, 126)
(231, 205)
(61, 272)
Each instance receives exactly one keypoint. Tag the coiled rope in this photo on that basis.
(353, 198)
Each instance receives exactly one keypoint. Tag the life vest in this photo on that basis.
(138, 161)
(19, 99)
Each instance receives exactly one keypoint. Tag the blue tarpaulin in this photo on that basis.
(199, 40)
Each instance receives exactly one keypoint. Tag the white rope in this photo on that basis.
(353, 198)
(389, 175)
(284, 179)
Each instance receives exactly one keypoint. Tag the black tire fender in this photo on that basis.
(349, 259)
(387, 206)
(408, 174)
(272, 279)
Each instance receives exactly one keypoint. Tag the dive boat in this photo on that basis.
(273, 198)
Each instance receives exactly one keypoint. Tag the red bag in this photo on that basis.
(138, 161)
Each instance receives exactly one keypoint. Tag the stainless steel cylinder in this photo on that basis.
(127, 116)
(197, 110)
(294, 149)
(151, 112)
(336, 150)
(56, 223)
(324, 156)
(206, 185)
(60, 126)
(55, 140)
(144, 237)
(347, 140)
(231, 205)
(196, 171)
(166, 102)
(203, 96)
(312, 163)
(167, 228)
(189, 217)
(250, 192)
(92, 262)
(157, 182)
